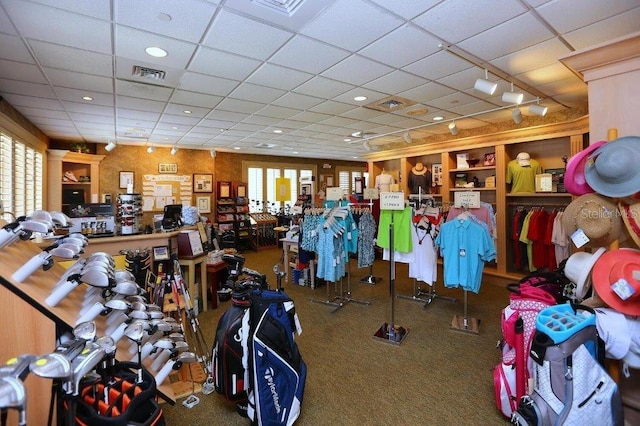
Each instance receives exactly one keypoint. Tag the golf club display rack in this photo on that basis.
(31, 326)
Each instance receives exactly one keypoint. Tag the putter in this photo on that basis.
(13, 395)
(107, 364)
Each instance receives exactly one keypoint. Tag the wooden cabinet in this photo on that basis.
(550, 145)
(72, 173)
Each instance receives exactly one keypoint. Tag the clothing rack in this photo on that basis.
(369, 279)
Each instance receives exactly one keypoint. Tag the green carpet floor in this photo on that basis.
(437, 376)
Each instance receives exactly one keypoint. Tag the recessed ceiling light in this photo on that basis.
(156, 52)
(295, 152)
(186, 111)
(175, 127)
(87, 98)
(347, 140)
(164, 17)
(360, 98)
(438, 118)
(236, 147)
(354, 156)
(277, 131)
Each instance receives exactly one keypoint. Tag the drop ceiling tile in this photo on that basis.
(248, 127)
(145, 91)
(222, 64)
(536, 56)
(361, 113)
(79, 118)
(83, 126)
(416, 44)
(547, 74)
(179, 119)
(135, 114)
(130, 122)
(185, 97)
(263, 42)
(511, 36)
(42, 112)
(323, 56)
(130, 43)
(261, 120)
(188, 18)
(336, 25)
(278, 77)
(425, 93)
(75, 95)
(88, 82)
(320, 128)
(45, 121)
(26, 89)
(68, 58)
(348, 97)
(438, 20)
(21, 71)
(226, 116)
(278, 112)
(196, 82)
(296, 100)
(438, 65)
(18, 100)
(5, 23)
(322, 87)
(60, 27)
(100, 10)
(139, 104)
(395, 82)
(462, 80)
(332, 107)
(605, 30)
(357, 70)
(590, 11)
(309, 117)
(255, 93)
(407, 9)
(13, 48)
(445, 103)
(339, 121)
(237, 105)
(471, 107)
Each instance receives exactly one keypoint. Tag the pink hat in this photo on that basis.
(574, 180)
(616, 279)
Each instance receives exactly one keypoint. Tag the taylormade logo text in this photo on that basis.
(268, 376)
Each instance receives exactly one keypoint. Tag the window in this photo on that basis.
(347, 176)
(261, 180)
(21, 177)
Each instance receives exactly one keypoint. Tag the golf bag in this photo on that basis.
(228, 371)
(510, 376)
(571, 386)
(277, 370)
(129, 402)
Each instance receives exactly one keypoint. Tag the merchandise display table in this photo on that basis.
(291, 246)
(214, 269)
(191, 263)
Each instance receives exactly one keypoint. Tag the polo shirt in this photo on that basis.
(522, 178)
(402, 226)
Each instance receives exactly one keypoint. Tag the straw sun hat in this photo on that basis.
(597, 217)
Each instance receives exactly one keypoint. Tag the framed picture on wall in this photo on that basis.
(203, 204)
(202, 183)
(167, 168)
(436, 173)
(126, 178)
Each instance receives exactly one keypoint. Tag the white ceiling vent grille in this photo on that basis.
(390, 104)
(288, 7)
(148, 73)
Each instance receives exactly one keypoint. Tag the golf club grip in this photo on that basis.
(146, 350)
(91, 313)
(160, 359)
(6, 238)
(60, 292)
(29, 268)
(164, 372)
(118, 333)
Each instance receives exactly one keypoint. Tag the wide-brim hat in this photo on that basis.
(578, 269)
(612, 169)
(574, 179)
(598, 218)
(616, 279)
(631, 216)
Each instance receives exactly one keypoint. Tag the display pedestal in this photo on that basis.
(393, 334)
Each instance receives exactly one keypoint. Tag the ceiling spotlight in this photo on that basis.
(110, 146)
(484, 85)
(367, 146)
(453, 128)
(517, 115)
(407, 137)
(174, 150)
(438, 118)
(150, 149)
(212, 152)
(538, 109)
(512, 97)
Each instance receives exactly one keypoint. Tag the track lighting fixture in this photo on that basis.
(517, 115)
(538, 109)
(512, 97)
(484, 85)
(150, 149)
(367, 146)
(453, 128)
(110, 146)
(174, 150)
(407, 137)
(212, 152)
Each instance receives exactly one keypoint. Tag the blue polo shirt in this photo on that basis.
(465, 245)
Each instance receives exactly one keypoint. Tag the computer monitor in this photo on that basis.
(172, 216)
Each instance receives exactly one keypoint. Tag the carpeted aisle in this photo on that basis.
(437, 376)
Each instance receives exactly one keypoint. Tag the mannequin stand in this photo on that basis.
(464, 323)
(430, 295)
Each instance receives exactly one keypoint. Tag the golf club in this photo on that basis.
(13, 395)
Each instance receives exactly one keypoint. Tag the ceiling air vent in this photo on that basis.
(148, 73)
(288, 7)
(390, 104)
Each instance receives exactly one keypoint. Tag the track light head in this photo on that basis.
(407, 137)
(517, 115)
(150, 149)
(110, 146)
(485, 86)
(453, 128)
(212, 152)
(174, 150)
(512, 97)
(538, 109)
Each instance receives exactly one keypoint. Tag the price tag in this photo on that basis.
(392, 200)
(371, 194)
(579, 238)
(468, 199)
(334, 193)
